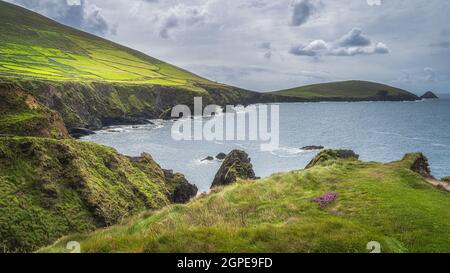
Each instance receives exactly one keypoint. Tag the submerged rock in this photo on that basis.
(237, 165)
(208, 158)
(429, 95)
(312, 148)
(327, 155)
(221, 156)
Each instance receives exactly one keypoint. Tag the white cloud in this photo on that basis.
(351, 44)
(180, 17)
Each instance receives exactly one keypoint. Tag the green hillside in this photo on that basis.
(35, 47)
(92, 82)
(347, 90)
(388, 203)
(50, 188)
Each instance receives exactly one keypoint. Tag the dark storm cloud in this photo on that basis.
(79, 14)
(302, 11)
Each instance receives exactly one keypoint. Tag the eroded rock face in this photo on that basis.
(179, 190)
(420, 164)
(237, 165)
(327, 155)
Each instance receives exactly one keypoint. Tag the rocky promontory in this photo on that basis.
(328, 155)
(236, 165)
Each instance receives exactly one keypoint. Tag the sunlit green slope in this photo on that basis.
(33, 46)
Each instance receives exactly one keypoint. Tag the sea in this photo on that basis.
(377, 131)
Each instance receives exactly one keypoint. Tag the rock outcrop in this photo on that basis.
(179, 190)
(21, 114)
(237, 165)
(80, 132)
(419, 164)
(312, 148)
(328, 155)
(446, 179)
(221, 156)
(429, 95)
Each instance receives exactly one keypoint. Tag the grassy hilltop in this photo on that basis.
(33, 46)
(388, 203)
(347, 90)
(92, 82)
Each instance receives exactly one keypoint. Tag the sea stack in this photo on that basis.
(237, 165)
(429, 95)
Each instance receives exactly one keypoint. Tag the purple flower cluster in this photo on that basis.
(325, 199)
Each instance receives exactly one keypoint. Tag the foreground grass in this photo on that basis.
(387, 203)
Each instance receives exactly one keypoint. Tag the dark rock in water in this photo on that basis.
(312, 148)
(135, 127)
(327, 155)
(237, 165)
(429, 95)
(208, 158)
(221, 156)
(80, 132)
(419, 164)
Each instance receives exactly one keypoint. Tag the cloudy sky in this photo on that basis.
(268, 45)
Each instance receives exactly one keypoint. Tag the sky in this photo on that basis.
(267, 45)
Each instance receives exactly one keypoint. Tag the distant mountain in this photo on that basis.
(347, 91)
(429, 95)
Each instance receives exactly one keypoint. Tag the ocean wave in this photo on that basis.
(286, 152)
(440, 145)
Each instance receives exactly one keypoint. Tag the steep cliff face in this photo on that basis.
(22, 114)
(93, 105)
(50, 188)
